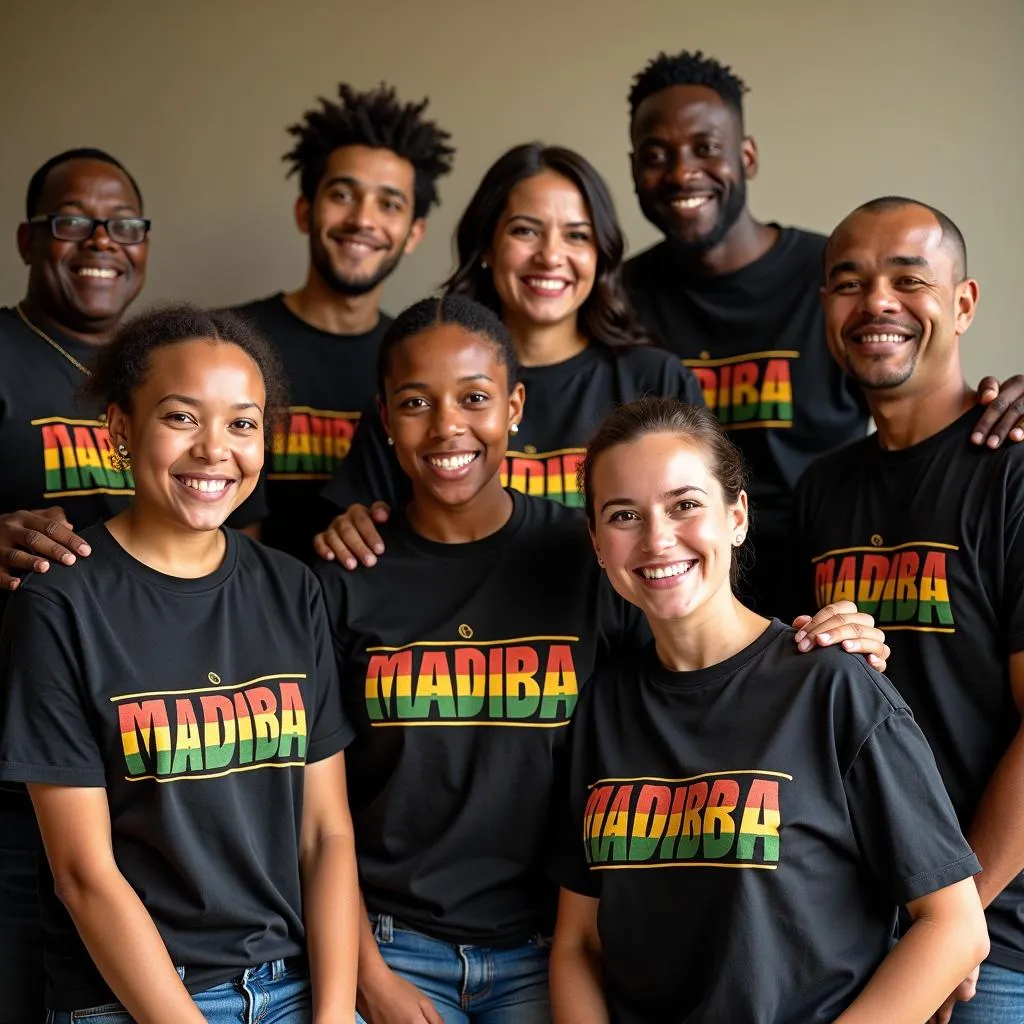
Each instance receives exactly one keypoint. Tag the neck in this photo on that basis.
(322, 307)
(545, 344)
(98, 334)
(484, 514)
(903, 420)
(745, 242)
(168, 547)
(712, 633)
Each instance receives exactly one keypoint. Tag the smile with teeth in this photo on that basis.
(690, 202)
(881, 339)
(451, 461)
(546, 284)
(661, 572)
(104, 272)
(204, 485)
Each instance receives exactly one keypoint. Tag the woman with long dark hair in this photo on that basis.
(540, 245)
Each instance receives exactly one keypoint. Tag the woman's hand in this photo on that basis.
(390, 999)
(352, 537)
(841, 623)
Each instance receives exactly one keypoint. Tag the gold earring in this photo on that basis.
(120, 459)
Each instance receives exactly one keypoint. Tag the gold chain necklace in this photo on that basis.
(49, 341)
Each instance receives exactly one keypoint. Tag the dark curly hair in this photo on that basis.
(607, 315)
(122, 366)
(38, 180)
(663, 415)
(449, 309)
(377, 119)
(687, 68)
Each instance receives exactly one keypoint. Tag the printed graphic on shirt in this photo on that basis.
(754, 390)
(716, 820)
(76, 459)
(215, 730)
(545, 474)
(311, 444)
(527, 681)
(904, 587)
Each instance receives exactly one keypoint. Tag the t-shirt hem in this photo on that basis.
(930, 881)
(1011, 959)
(53, 775)
(330, 745)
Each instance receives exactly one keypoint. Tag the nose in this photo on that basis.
(658, 534)
(99, 239)
(684, 167)
(211, 444)
(550, 251)
(361, 211)
(879, 298)
(447, 421)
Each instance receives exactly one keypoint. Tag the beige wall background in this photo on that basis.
(848, 101)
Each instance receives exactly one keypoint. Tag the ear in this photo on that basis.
(516, 401)
(382, 412)
(966, 304)
(303, 214)
(419, 226)
(739, 515)
(748, 157)
(593, 540)
(23, 238)
(117, 426)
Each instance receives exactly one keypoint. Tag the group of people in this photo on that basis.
(527, 738)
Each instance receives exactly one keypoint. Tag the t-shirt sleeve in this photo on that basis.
(46, 730)
(330, 730)
(568, 867)
(904, 822)
(254, 509)
(370, 472)
(1013, 587)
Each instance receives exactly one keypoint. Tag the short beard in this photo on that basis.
(894, 379)
(735, 203)
(347, 286)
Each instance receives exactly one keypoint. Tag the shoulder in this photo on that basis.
(835, 465)
(644, 263)
(256, 557)
(89, 583)
(257, 307)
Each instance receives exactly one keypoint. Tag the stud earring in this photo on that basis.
(600, 561)
(120, 459)
(514, 429)
(739, 539)
(391, 441)
(483, 264)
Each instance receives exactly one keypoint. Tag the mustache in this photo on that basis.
(357, 236)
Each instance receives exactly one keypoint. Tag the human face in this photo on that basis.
(84, 286)
(195, 433)
(543, 255)
(360, 223)
(449, 411)
(690, 165)
(893, 306)
(663, 528)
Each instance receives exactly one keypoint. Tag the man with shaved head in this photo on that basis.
(926, 532)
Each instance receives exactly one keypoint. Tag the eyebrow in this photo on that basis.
(347, 179)
(678, 492)
(418, 385)
(540, 223)
(195, 403)
(852, 266)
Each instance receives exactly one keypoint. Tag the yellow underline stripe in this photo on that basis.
(896, 547)
(472, 643)
(207, 689)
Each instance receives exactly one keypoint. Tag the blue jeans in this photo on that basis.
(272, 993)
(999, 999)
(469, 984)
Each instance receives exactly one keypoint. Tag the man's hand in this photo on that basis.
(352, 537)
(29, 541)
(1004, 417)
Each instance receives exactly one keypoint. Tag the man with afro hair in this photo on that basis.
(738, 299)
(367, 166)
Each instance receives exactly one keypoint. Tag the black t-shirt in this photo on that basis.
(930, 541)
(173, 694)
(750, 830)
(565, 404)
(756, 340)
(331, 379)
(461, 668)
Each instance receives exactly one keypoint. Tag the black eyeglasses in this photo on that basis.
(75, 227)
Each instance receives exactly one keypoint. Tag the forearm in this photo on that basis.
(577, 988)
(330, 896)
(920, 971)
(997, 832)
(127, 949)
